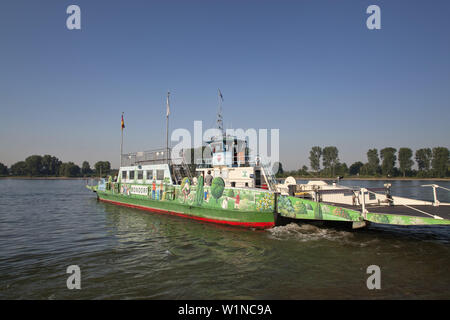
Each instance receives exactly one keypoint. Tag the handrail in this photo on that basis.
(435, 186)
(410, 207)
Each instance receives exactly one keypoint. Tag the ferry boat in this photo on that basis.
(237, 194)
(232, 189)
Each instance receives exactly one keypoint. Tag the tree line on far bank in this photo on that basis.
(431, 163)
(50, 166)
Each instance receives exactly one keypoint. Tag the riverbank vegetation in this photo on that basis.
(324, 163)
(386, 163)
(50, 166)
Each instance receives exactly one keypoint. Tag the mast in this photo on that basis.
(167, 126)
(122, 125)
(219, 113)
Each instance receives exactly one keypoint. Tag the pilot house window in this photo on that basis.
(140, 174)
(149, 174)
(131, 174)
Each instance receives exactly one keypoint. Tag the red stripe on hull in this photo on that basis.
(258, 225)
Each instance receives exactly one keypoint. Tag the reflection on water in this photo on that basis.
(130, 254)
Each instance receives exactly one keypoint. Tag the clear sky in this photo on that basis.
(310, 68)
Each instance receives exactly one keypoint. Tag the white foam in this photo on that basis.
(307, 232)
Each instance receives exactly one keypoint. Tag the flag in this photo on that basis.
(220, 94)
(168, 108)
(122, 123)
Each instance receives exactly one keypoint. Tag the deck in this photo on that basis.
(442, 211)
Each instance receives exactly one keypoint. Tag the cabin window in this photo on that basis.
(140, 175)
(246, 184)
(372, 196)
(233, 184)
(159, 174)
(149, 174)
(257, 178)
(131, 175)
(124, 174)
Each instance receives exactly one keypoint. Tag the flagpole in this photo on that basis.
(167, 127)
(121, 142)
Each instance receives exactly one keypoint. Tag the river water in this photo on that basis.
(46, 226)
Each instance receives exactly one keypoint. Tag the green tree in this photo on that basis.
(217, 188)
(3, 170)
(34, 165)
(355, 168)
(423, 159)
(278, 168)
(330, 159)
(50, 165)
(102, 168)
(388, 158)
(69, 169)
(404, 160)
(19, 169)
(373, 163)
(341, 169)
(314, 158)
(303, 171)
(440, 161)
(365, 170)
(85, 168)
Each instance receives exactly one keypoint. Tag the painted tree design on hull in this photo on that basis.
(217, 188)
(199, 192)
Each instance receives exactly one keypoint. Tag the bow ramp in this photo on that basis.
(361, 206)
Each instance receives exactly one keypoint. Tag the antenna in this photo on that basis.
(167, 125)
(219, 113)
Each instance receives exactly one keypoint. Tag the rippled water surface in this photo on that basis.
(45, 226)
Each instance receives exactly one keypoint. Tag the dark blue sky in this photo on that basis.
(310, 68)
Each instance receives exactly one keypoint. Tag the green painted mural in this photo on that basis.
(216, 196)
(219, 203)
(298, 208)
(404, 220)
(215, 203)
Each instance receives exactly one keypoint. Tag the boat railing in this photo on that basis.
(435, 187)
(246, 161)
(163, 155)
(91, 182)
(156, 156)
(364, 211)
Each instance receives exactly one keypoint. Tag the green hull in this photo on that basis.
(188, 208)
(251, 208)
(298, 208)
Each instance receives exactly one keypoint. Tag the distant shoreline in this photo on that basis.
(371, 178)
(48, 178)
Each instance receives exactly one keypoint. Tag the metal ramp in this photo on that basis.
(269, 177)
